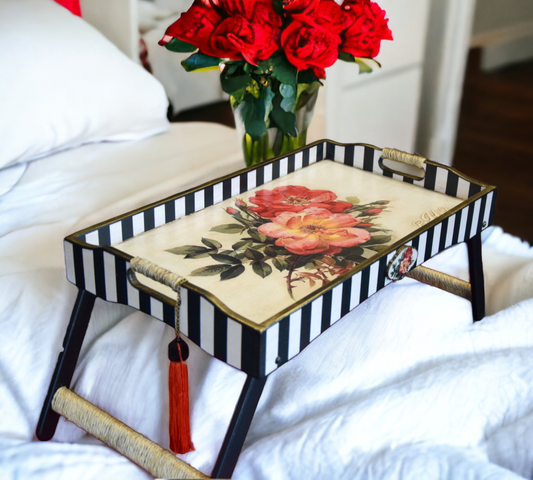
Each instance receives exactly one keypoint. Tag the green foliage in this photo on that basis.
(209, 271)
(188, 249)
(281, 264)
(285, 121)
(253, 254)
(211, 243)
(219, 257)
(366, 65)
(200, 61)
(307, 76)
(177, 45)
(262, 269)
(241, 245)
(228, 228)
(232, 272)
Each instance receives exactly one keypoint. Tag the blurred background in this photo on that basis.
(456, 86)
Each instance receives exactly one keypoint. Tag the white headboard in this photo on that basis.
(117, 20)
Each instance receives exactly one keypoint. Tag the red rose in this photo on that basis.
(254, 40)
(299, 5)
(309, 45)
(220, 43)
(363, 37)
(293, 198)
(242, 7)
(330, 15)
(195, 26)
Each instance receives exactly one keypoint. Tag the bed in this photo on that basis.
(405, 386)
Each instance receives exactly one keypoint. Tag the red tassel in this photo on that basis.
(178, 389)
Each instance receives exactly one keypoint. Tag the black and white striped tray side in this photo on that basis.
(259, 352)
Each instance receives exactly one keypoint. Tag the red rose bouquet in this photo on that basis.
(273, 55)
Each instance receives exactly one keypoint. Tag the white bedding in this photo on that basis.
(404, 387)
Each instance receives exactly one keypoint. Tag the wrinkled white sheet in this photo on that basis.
(404, 387)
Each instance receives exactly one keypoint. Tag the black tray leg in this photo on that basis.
(238, 427)
(477, 282)
(66, 362)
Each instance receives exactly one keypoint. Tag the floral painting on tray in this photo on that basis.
(262, 250)
(301, 234)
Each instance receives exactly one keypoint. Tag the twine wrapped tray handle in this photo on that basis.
(404, 157)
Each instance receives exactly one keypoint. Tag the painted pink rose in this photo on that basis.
(315, 231)
(294, 198)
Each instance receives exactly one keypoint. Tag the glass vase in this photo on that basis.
(274, 141)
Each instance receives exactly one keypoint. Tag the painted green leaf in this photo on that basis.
(341, 262)
(281, 264)
(213, 244)
(210, 270)
(225, 258)
(197, 255)
(378, 248)
(177, 45)
(187, 249)
(353, 200)
(352, 251)
(378, 239)
(200, 61)
(271, 252)
(355, 258)
(253, 254)
(240, 245)
(258, 237)
(232, 272)
(228, 228)
(262, 269)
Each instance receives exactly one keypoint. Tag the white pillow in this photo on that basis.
(63, 84)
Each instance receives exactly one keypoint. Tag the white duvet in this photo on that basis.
(404, 387)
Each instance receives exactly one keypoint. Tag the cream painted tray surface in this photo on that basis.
(251, 322)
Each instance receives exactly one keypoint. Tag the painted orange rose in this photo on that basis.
(294, 198)
(315, 230)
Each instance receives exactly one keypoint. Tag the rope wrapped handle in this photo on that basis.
(404, 157)
(163, 276)
(157, 273)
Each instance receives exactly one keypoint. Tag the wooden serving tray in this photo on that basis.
(275, 254)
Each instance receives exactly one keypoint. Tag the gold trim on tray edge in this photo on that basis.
(261, 327)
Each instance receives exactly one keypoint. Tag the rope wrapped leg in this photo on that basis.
(441, 280)
(148, 455)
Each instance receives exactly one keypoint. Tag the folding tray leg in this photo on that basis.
(477, 282)
(66, 362)
(238, 428)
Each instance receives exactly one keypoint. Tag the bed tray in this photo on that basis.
(263, 261)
